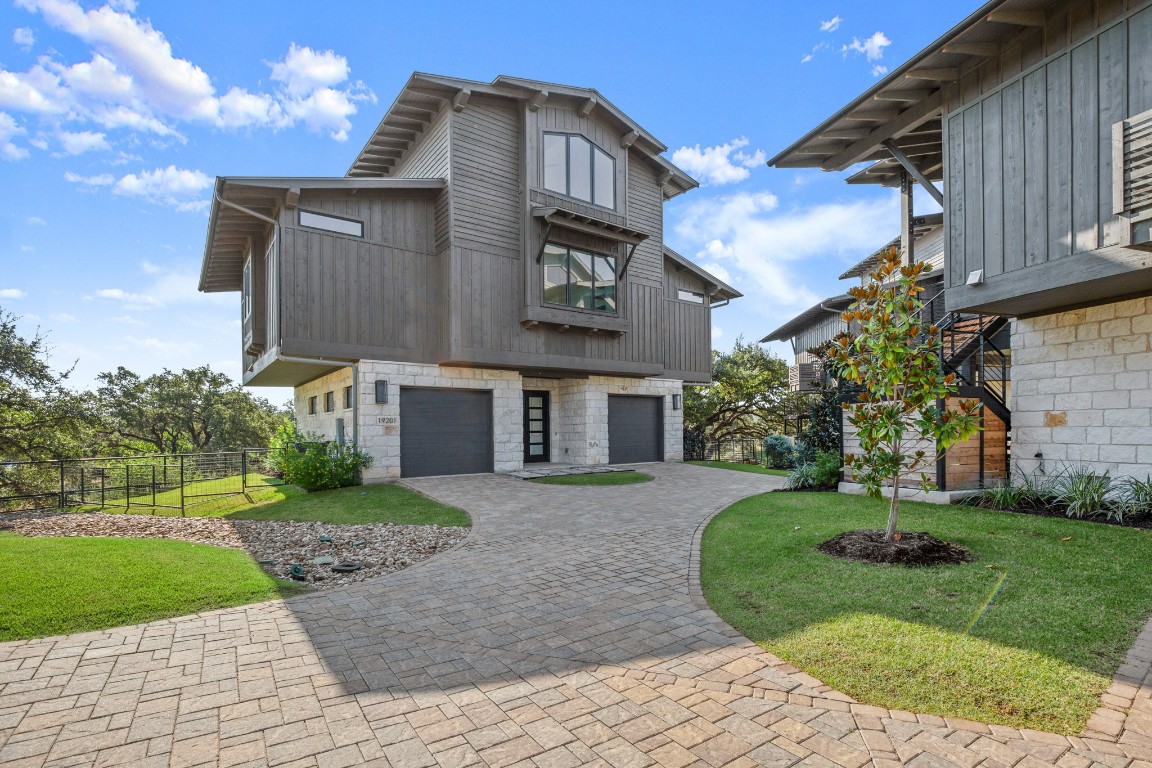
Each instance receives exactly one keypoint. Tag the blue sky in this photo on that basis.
(115, 117)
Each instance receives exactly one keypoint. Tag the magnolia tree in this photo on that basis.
(895, 359)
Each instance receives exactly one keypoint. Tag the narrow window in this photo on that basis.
(246, 291)
(579, 168)
(556, 162)
(312, 405)
(555, 274)
(347, 397)
(329, 402)
(331, 223)
(604, 178)
(692, 296)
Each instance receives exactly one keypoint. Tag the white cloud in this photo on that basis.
(171, 186)
(169, 287)
(27, 249)
(717, 333)
(9, 129)
(722, 164)
(11, 293)
(128, 299)
(36, 221)
(879, 69)
(99, 180)
(24, 37)
(161, 347)
(82, 141)
(748, 236)
(812, 54)
(134, 81)
(872, 47)
(64, 317)
(716, 269)
(128, 320)
(831, 25)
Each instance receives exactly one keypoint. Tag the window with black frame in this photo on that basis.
(574, 277)
(576, 167)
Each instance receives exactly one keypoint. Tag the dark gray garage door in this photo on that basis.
(445, 431)
(635, 429)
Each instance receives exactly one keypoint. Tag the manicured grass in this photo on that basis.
(599, 478)
(55, 586)
(381, 503)
(1039, 656)
(737, 466)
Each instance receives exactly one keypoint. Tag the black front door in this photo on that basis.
(535, 426)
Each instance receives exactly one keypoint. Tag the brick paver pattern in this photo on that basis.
(567, 631)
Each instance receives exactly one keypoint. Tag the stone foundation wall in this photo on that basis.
(1080, 389)
(323, 423)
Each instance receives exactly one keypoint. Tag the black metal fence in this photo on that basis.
(747, 450)
(160, 483)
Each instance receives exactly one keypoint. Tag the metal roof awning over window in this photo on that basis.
(561, 217)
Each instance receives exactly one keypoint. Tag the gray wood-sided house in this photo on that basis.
(1035, 117)
(487, 286)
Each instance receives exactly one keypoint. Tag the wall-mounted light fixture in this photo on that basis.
(676, 402)
(381, 391)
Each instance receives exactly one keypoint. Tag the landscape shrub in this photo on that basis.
(821, 473)
(778, 452)
(323, 466)
(1084, 493)
(1076, 491)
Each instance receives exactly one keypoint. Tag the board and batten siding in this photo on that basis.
(350, 297)
(1028, 140)
(688, 350)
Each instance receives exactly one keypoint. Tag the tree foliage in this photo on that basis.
(748, 396)
(195, 410)
(40, 417)
(895, 358)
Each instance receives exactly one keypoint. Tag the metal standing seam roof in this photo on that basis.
(905, 107)
(425, 95)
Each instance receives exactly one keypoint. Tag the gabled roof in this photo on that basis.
(230, 230)
(425, 95)
(809, 317)
(921, 226)
(721, 291)
(906, 106)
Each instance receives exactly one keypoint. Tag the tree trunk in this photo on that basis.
(893, 512)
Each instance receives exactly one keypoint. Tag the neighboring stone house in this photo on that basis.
(487, 286)
(1034, 114)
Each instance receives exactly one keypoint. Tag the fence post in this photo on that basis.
(82, 487)
(127, 487)
(182, 485)
(153, 488)
(61, 484)
(244, 471)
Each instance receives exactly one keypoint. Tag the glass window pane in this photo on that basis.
(535, 402)
(555, 274)
(536, 438)
(605, 298)
(579, 168)
(536, 426)
(580, 279)
(535, 413)
(555, 162)
(605, 179)
(536, 450)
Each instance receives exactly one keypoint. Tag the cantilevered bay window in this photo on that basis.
(577, 278)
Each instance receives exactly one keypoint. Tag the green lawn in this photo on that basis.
(737, 466)
(1039, 656)
(380, 503)
(598, 478)
(53, 586)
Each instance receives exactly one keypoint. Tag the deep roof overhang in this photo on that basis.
(424, 96)
(719, 290)
(231, 231)
(905, 107)
(809, 317)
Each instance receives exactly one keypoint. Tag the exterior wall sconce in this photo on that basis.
(381, 391)
(676, 401)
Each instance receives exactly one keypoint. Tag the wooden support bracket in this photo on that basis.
(460, 100)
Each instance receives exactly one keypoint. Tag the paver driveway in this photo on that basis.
(567, 631)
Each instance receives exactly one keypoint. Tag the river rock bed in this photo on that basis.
(379, 547)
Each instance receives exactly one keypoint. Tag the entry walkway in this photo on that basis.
(568, 630)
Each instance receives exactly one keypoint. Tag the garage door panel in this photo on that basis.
(445, 431)
(635, 429)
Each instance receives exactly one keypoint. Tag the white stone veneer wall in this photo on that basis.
(1080, 389)
(578, 412)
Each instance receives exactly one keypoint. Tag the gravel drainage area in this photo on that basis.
(317, 550)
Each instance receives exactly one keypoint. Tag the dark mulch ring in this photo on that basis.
(913, 550)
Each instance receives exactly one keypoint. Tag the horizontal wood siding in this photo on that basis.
(1028, 139)
(646, 215)
(431, 159)
(379, 292)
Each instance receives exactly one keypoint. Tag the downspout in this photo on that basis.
(288, 358)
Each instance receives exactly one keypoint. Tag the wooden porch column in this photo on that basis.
(907, 244)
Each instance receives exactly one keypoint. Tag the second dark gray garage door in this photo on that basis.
(445, 431)
(635, 429)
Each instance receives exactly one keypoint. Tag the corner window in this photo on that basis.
(576, 167)
(347, 397)
(329, 402)
(246, 292)
(328, 223)
(692, 296)
(312, 405)
(580, 279)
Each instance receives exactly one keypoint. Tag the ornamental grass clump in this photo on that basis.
(894, 357)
